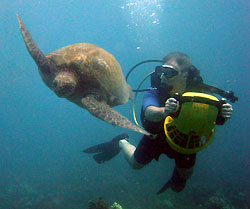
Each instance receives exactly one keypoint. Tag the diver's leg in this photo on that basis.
(128, 152)
(141, 155)
(183, 171)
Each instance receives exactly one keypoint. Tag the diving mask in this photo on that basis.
(166, 70)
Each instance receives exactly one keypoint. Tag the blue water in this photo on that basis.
(42, 136)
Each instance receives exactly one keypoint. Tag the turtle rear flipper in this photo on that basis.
(104, 112)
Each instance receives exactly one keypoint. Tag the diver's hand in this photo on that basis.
(171, 106)
(226, 111)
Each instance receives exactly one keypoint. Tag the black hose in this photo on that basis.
(146, 61)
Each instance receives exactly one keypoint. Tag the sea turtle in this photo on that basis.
(86, 75)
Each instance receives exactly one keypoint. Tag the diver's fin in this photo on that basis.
(177, 183)
(107, 150)
(104, 112)
(165, 187)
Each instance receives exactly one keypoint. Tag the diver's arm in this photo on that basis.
(156, 114)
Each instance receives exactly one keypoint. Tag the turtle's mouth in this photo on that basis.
(64, 90)
(64, 85)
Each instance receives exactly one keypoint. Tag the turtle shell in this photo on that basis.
(97, 69)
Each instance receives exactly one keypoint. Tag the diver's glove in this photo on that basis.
(226, 111)
(171, 106)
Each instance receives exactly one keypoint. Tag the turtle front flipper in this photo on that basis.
(104, 112)
(44, 64)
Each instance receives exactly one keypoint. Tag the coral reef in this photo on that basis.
(218, 201)
(99, 204)
(165, 203)
(240, 199)
(21, 194)
(116, 206)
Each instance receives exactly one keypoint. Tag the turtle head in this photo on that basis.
(64, 84)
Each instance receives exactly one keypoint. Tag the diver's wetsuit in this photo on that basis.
(148, 148)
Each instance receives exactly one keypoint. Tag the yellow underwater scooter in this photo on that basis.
(191, 129)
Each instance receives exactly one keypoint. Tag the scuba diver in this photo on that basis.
(179, 114)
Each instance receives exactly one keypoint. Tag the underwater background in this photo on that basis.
(42, 136)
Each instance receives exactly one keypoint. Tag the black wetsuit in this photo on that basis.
(148, 148)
